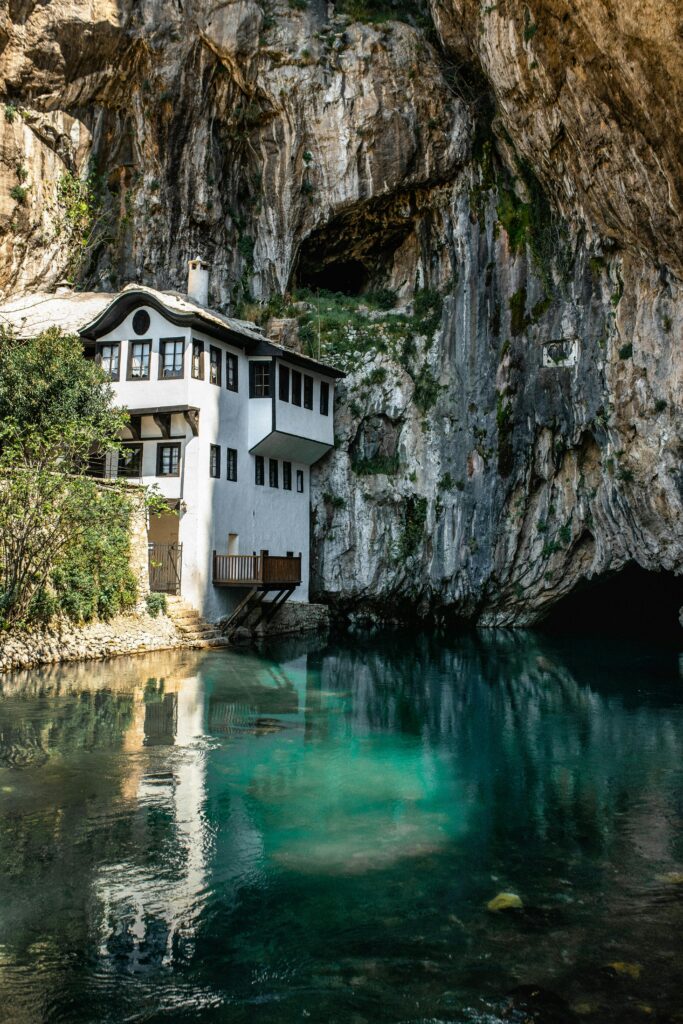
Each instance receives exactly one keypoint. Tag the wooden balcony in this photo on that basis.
(263, 571)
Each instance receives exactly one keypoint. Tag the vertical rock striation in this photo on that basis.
(513, 177)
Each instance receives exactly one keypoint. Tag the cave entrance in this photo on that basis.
(350, 277)
(633, 602)
(355, 251)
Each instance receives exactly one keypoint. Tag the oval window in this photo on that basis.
(141, 322)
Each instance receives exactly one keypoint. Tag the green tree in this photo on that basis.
(63, 538)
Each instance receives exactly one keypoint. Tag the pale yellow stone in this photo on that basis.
(504, 901)
(628, 970)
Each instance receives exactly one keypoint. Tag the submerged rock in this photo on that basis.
(505, 901)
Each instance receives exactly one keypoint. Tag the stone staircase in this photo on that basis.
(194, 630)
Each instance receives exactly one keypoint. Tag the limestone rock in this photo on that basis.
(504, 901)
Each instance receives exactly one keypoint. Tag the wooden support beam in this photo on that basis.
(135, 426)
(192, 419)
(163, 422)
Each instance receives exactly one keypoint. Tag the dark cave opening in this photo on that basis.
(633, 602)
(349, 276)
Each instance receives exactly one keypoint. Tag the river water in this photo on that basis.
(314, 833)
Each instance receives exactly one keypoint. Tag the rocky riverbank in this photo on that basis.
(140, 633)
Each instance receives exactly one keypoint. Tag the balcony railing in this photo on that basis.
(268, 572)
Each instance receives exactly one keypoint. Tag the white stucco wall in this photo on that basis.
(263, 517)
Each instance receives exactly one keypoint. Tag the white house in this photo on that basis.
(226, 423)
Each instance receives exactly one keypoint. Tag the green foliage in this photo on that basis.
(19, 194)
(446, 483)
(564, 534)
(63, 540)
(387, 464)
(80, 216)
(504, 424)
(426, 390)
(46, 382)
(660, 405)
(382, 298)
(626, 351)
(156, 604)
(334, 500)
(414, 519)
(10, 112)
(530, 28)
(94, 578)
(519, 321)
(377, 11)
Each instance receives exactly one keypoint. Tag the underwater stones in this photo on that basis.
(671, 878)
(531, 1003)
(626, 970)
(504, 901)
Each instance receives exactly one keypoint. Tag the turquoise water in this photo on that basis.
(315, 833)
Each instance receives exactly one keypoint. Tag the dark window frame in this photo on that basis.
(231, 465)
(286, 476)
(216, 363)
(176, 375)
(296, 388)
(324, 398)
(283, 383)
(136, 446)
(308, 392)
(273, 473)
(131, 345)
(197, 349)
(143, 318)
(215, 461)
(260, 388)
(98, 357)
(299, 481)
(231, 371)
(259, 471)
(160, 449)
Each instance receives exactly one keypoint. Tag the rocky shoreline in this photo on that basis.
(137, 633)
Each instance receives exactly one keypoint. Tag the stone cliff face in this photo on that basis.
(513, 427)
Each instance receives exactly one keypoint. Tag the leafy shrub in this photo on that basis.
(19, 194)
(156, 604)
(414, 519)
(387, 464)
(626, 351)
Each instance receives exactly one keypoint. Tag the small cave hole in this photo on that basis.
(350, 276)
(633, 602)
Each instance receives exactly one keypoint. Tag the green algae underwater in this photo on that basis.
(325, 832)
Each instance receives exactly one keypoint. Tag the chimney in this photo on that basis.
(198, 281)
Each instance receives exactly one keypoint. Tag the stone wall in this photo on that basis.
(63, 641)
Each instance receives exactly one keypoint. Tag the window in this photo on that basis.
(287, 475)
(273, 473)
(108, 358)
(284, 383)
(231, 379)
(296, 387)
(308, 392)
(232, 464)
(214, 365)
(141, 322)
(300, 481)
(138, 360)
(259, 380)
(324, 398)
(130, 461)
(260, 469)
(215, 461)
(171, 358)
(168, 459)
(198, 360)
